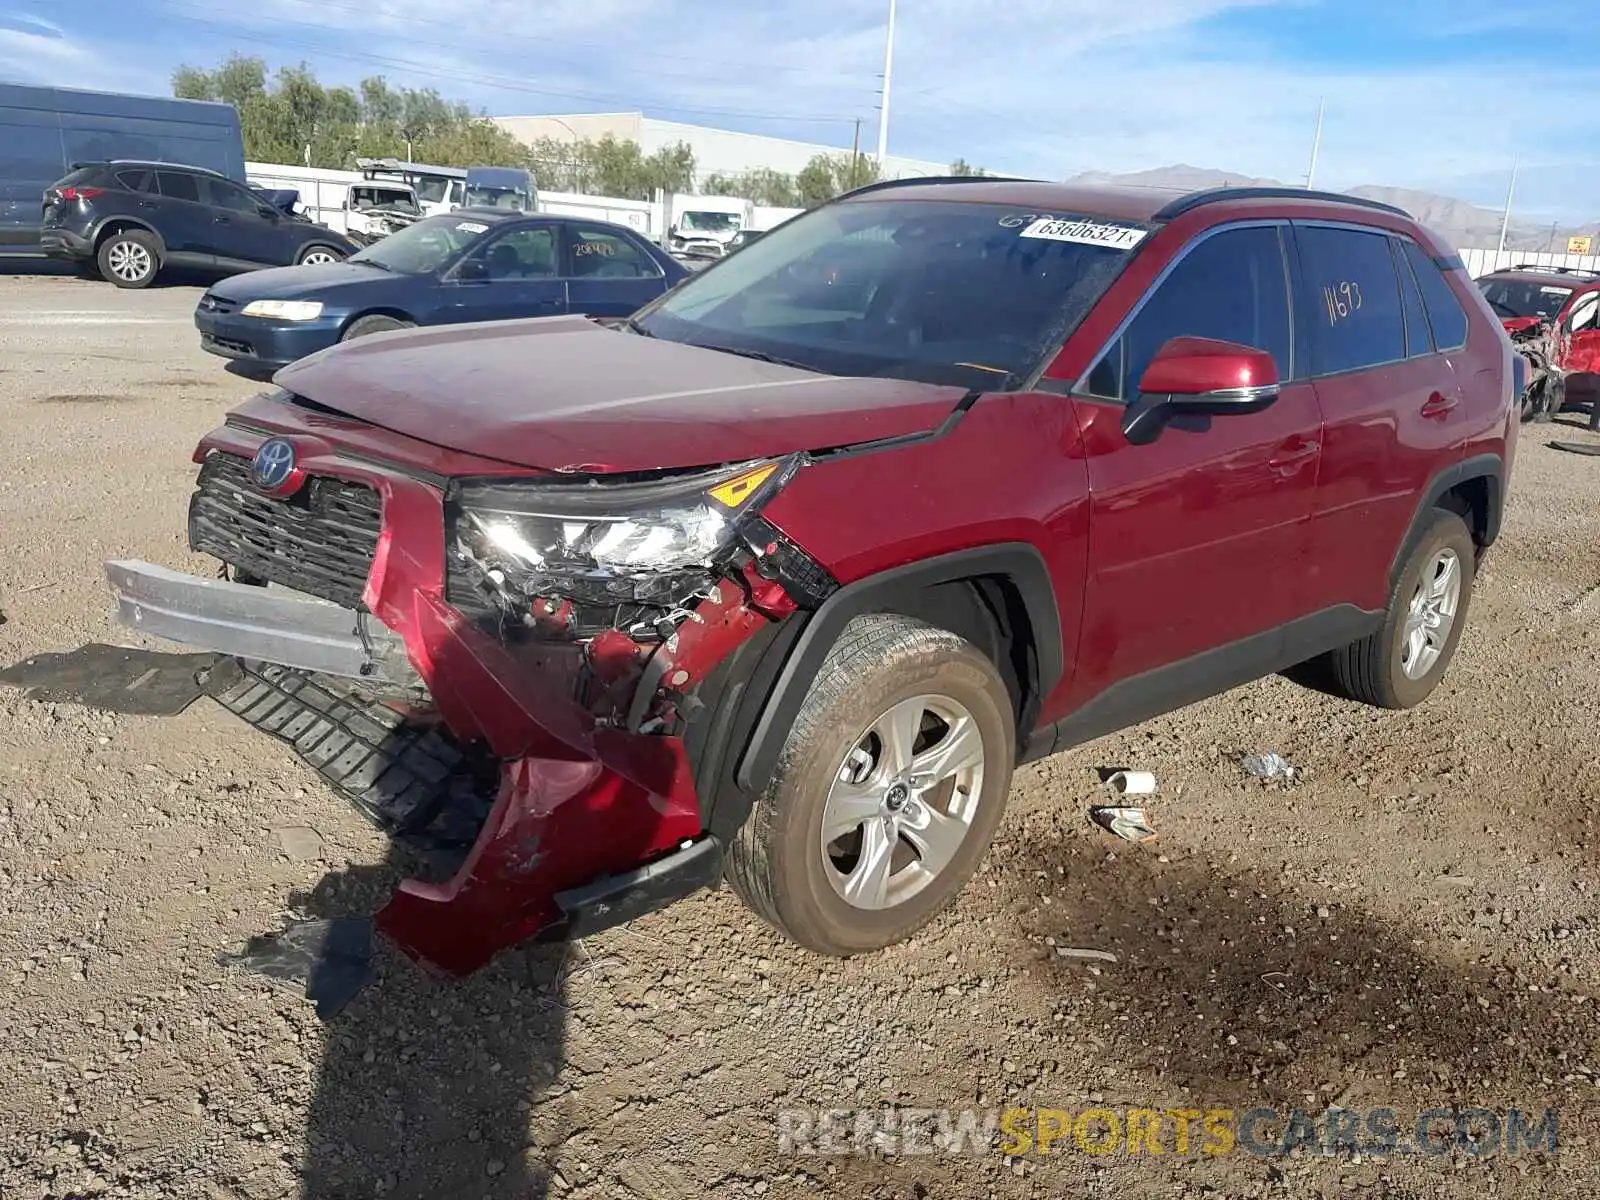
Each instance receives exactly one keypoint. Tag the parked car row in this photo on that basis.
(779, 580)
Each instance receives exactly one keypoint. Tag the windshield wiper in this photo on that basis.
(632, 326)
(759, 356)
(372, 262)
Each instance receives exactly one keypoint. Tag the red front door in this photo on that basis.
(1196, 540)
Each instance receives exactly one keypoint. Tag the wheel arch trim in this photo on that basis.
(1488, 467)
(1018, 562)
(133, 222)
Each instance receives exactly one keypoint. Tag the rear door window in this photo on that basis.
(599, 254)
(1350, 295)
(137, 181)
(1231, 287)
(1445, 313)
(177, 185)
(1419, 338)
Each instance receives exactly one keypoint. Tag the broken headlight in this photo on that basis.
(654, 544)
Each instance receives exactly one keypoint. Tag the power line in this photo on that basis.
(503, 36)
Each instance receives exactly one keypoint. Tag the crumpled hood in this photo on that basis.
(566, 394)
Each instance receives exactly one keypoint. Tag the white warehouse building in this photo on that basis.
(716, 151)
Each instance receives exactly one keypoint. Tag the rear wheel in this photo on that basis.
(888, 790)
(130, 258)
(375, 323)
(1400, 664)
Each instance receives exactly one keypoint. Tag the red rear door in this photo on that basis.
(1391, 405)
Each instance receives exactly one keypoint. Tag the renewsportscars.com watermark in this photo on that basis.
(1265, 1132)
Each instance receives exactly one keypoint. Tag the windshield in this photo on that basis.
(364, 198)
(945, 292)
(431, 190)
(710, 222)
(423, 248)
(1520, 298)
(496, 197)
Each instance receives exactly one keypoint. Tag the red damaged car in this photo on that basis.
(1553, 317)
(780, 580)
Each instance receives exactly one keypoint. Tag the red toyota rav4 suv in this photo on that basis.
(779, 581)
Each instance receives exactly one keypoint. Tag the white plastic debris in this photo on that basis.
(1094, 955)
(1129, 824)
(1270, 765)
(1132, 783)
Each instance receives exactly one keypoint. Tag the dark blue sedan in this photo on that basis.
(470, 265)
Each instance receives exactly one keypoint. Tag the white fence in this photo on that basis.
(1481, 262)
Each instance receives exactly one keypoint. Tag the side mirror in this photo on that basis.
(1200, 377)
(268, 211)
(473, 270)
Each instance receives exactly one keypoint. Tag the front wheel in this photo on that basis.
(888, 791)
(1400, 664)
(374, 323)
(317, 256)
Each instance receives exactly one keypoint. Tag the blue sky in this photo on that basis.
(1433, 94)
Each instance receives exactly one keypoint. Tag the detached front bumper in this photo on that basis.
(586, 826)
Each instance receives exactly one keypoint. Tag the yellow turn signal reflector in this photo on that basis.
(739, 489)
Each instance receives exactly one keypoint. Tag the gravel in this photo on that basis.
(1411, 924)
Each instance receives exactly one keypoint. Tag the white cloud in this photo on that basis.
(1041, 87)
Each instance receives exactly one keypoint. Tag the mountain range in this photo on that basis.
(1464, 225)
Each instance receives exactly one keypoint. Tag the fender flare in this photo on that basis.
(100, 228)
(1483, 466)
(1019, 562)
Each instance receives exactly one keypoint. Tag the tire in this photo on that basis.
(130, 258)
(316, 254)
(1373, 670)
(1553, 400)
(1533, 402)
(882, 668)
(374, 323)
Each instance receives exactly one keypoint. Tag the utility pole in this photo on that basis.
(1316, 144)
(883, 111)
(855, 158)
(1511, 191)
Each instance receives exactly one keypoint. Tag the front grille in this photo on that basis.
(319, 541)
(217, 304)
(232, 345)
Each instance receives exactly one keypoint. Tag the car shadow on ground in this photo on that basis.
(426, 1087)
(1225, 992)
(22, 265)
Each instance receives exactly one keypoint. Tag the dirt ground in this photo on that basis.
(1410, 925)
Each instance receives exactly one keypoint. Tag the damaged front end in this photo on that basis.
(502, 671)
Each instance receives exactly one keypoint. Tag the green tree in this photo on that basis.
(830, 175)
(961, 167)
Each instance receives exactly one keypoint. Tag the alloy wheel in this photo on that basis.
(129, 261)
(318, 257)
(902, 802)
(1431, 614)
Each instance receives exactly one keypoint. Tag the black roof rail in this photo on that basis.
(1221, 195)
(1554, 270)
(917, 181)
(149, 162)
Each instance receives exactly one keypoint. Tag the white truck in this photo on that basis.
(346, 201)
(704, 226)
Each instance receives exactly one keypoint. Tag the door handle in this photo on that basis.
(1290, 455)
(147, 204)
(223, 220)
(1438, 406)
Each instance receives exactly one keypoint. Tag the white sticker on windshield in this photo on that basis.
(1087, 233)
(1554, 291)
(470, 227)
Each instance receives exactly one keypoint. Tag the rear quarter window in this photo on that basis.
(137, 181)
(1448, 318)
(1351, 299)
